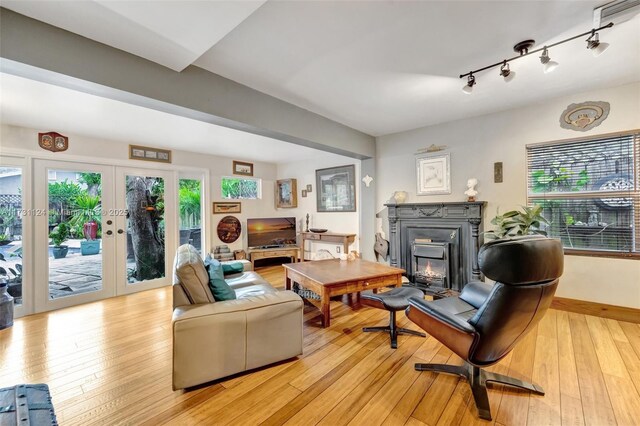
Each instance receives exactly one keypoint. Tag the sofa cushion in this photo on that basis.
(191, 274)
(246, 279)
(219, 287)
(254, 290)
(232, 267)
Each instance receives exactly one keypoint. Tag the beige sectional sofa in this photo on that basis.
(216, 339)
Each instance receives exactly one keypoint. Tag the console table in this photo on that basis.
(326, 237)
(256, 254)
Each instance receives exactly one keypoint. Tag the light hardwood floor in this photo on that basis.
(109, 362)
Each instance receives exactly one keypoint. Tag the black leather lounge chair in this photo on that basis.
(485, 322)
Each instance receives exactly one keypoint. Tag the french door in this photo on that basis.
(103, 231)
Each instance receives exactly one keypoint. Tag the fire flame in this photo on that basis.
(430, 273)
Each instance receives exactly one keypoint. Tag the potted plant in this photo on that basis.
(59, 235)
(86, 219)
(516, 222)
(4, 239)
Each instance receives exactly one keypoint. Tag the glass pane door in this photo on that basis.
(75, 236)
(190, 212)
(11, 226)
(147, 199)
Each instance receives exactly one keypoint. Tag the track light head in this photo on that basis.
(594, 44)
(506, 73)
(545, 59)
(471, 81)
(523, 47)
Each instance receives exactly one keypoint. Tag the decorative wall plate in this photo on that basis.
(52, 141)
(229, 229)
(584, 116)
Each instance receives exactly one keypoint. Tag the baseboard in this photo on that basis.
(620, 313)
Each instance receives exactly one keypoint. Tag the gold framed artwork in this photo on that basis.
(145, 153)
(225, 207)
(242, 168)
(286, 194)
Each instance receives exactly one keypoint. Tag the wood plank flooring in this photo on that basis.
(109, 363)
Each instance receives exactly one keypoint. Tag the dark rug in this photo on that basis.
(26, 405)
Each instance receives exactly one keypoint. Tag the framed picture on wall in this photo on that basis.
(242, 168)
(336, 189)
(286, 194)
(433, 174)
(137, 152)
(227, 207)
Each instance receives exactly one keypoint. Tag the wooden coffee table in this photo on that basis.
(334, 277)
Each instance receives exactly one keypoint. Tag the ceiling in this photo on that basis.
(32, 104)
(377, 66)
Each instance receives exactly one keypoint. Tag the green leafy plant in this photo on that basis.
(87, 208)
(559, 179)
(514, 222)
(60, 234)
(4, 237)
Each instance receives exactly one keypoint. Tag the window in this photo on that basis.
(589, 191)
(237, 188)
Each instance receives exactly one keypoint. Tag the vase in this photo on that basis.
(400, 196)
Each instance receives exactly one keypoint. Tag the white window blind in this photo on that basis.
(589, 192)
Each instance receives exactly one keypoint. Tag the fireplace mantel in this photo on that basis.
(456, 223)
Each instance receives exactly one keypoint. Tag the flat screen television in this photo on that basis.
(271, 232)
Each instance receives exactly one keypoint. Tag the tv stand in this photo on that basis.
(267, 253)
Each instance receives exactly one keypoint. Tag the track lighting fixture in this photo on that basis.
(594, 44)
(545, 59)
(471, 81)
(523, 49)
(506, 73)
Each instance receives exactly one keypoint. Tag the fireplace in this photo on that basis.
(430, 265)
(436, 243)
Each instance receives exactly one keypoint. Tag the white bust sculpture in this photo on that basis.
(471, 189)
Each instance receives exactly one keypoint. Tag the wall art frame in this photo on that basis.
(433, 174)
(226, 207)
(336, 189)
(145, 153)
(286, 194)
(242, 168)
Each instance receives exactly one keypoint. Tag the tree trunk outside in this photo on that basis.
(148, 249)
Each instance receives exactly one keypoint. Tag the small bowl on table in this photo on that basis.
(317, 230)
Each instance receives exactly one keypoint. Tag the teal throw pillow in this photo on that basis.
(232, 268)
(219, 287)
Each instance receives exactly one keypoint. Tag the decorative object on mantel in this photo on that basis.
(137, 152)
(307, 230)
(286, 194)
(584, 116)
(242, 168)
(367, 180)
(53, 141)
(400, 196)
(433, 174)
(336, 189)
(229, 229)
(431, 148)
(318, 230)
(471, 190)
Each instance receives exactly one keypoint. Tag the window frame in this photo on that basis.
(634, 193)
(256, 179)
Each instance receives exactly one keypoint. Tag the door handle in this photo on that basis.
(109, 232)
(120, 231)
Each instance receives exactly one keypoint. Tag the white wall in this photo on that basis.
(117, 153)
(305, 173)
(476, 143)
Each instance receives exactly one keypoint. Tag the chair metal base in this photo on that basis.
(393, 330)
(478, 378)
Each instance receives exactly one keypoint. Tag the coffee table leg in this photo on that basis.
(326, 314)
(287, 282)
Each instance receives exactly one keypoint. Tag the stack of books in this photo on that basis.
(222, 253)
